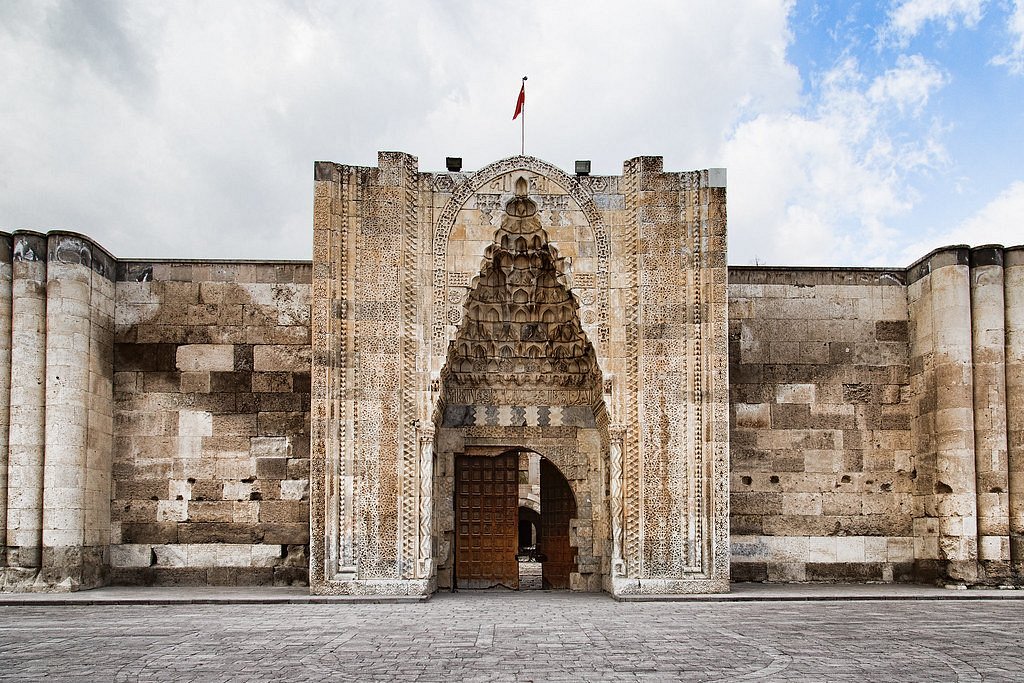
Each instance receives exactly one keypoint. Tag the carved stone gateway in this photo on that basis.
(519, 309)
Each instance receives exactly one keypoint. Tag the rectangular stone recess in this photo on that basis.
(486, 495)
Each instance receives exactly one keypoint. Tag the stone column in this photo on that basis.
(100, 441)
(68, 298)
(1013, 283)
(27, 403)
(617, 433)
(5, 382)
(425, 569)
(954, 485)
(988, 357)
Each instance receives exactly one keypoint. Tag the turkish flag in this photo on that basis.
(521, 102)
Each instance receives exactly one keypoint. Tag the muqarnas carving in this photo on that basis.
(521, 337)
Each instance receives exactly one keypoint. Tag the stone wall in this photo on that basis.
(155, 417)
(211, 396)
(823, 468)
(876, 420)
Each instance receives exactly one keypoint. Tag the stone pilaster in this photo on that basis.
(1013, 283)
(988, 357)
(27, 407)
(5, 382)
(946, 527)
(675, 451)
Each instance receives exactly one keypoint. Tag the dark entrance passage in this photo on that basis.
(529, 529)
(487, 515)
(557, 507)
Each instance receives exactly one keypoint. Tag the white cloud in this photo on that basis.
(908, 17)
(1013, 59)
(823, 187)
(1001, 221)
(189, 129)
(908, 85)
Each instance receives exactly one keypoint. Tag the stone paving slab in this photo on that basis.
(526, 636)
(741, 592)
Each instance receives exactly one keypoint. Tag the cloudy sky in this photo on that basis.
(864, 135)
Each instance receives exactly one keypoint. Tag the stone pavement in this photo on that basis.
(888, 633)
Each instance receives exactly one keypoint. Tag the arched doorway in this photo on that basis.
(495, 535)
(521, 376)
(529, 530)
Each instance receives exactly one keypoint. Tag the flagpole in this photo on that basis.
(521, 111)
(522, 141)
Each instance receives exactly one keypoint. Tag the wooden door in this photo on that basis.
(557, 507)
(487, 513)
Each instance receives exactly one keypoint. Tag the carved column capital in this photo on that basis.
(617, 432)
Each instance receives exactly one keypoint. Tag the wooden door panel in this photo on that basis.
(557, 507)
(486, 498)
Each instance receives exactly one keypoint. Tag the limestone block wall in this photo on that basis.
(822, 465)
(211, 412)
(59, 391)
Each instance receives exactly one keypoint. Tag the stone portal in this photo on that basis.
(519, 309)
(522, 368)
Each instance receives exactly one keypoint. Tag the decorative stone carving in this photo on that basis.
(521, 329)
(514, 344)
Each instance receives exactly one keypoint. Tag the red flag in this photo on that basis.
(521, 102)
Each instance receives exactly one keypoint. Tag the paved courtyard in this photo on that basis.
(531, 636)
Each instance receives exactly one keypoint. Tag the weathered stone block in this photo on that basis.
(286, 533)
(210, 511)
(205, 357)
(218, 532)
(279, 357)
(171, 555)
(131, 555)
(284, 511)
(158, 357)
(295, 489)
(153, 532)
(272, 468)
